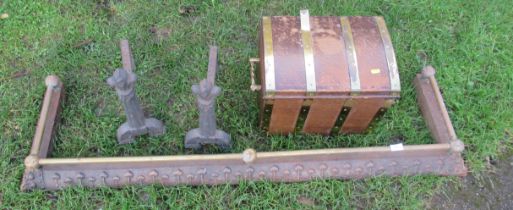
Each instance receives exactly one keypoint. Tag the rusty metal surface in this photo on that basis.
(206, 92)
(393, 72)
(329, 57)
(433, 109)
(350, 49)
(282, 170)
(433, 119)
(45, 129)
(317, 58)
(287, 166)
(289, 60)
(41, 144)
(123, 80)
(330, 96)
(350, 54)
(370, 53)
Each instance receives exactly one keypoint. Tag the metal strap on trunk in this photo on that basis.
(395, 83)
(306, 36)
(270, 85)
(347, 34)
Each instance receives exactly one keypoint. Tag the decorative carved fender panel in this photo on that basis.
(441, 158)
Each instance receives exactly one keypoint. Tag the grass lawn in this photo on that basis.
(469, 42)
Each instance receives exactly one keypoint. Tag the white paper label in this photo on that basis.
(396, 147)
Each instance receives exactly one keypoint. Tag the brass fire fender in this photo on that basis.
(442, 158)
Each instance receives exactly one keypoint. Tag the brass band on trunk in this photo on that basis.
(270, 84)
(306, 36)
(395, 83)
(351, 54)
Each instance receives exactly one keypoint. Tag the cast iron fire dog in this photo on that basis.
(206, 93)
(123, 81)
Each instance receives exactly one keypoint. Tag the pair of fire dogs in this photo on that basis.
(314, 72)
(123, 81)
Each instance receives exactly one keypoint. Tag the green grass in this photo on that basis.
(469, 42)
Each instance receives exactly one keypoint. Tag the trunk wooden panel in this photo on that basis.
(361, 115)
(284, 116)
(322, 116)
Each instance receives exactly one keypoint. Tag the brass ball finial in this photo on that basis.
(428, 71)
(249, 155)
(31, 162)
(52, 81)
(457, 145)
